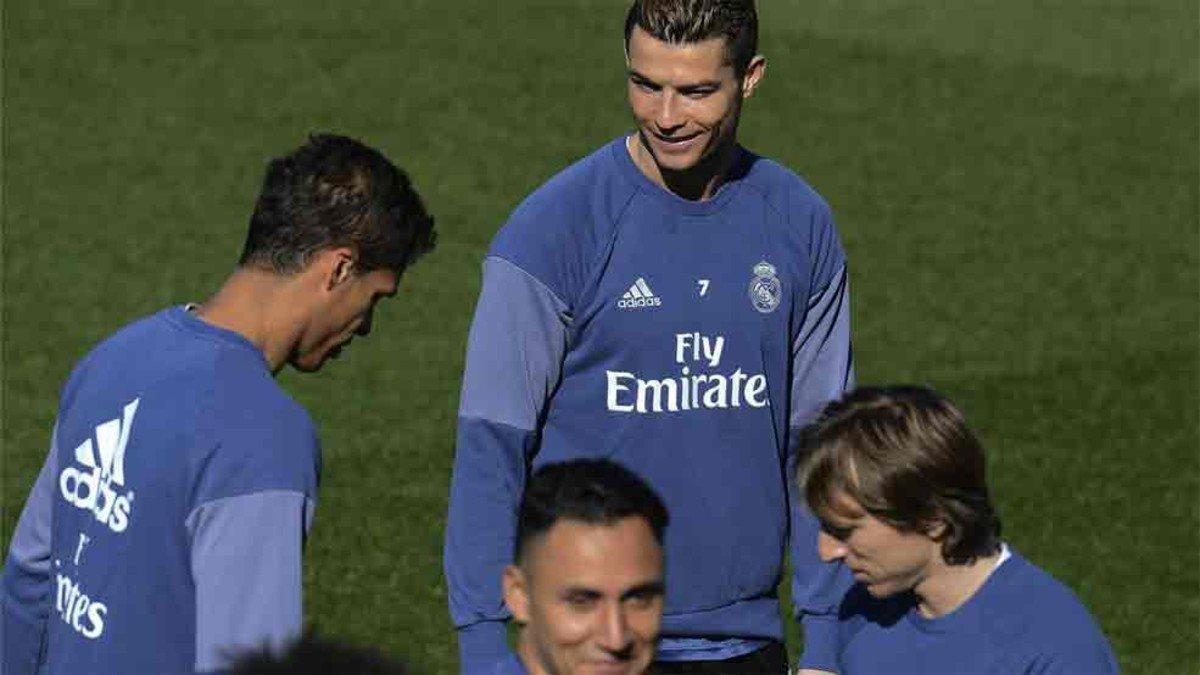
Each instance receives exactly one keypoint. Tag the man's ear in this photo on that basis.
(515, 586)
(753, 75)
(337, 266)
(937, 530)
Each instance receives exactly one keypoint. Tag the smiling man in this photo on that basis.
(897, 479)
(164, 533)
(680, 305)
(586, 586)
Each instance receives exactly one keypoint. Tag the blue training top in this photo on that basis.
(164, 533)
(1021, 620)
(687, 340)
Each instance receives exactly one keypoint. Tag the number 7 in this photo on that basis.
(703, 283)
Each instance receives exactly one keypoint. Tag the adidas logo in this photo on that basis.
(93, 490)
(639, 295)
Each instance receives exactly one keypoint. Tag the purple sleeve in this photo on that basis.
(514, 358)
(246, 565)
(822, 368)
(27, 584)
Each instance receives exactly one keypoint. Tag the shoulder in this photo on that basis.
(556, 232)
(1047, 622)
(147, 333)
(787, 192)
(261, 439)
(808, 230)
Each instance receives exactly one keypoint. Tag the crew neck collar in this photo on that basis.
(185, 317)
(725, 192)
(964, 613)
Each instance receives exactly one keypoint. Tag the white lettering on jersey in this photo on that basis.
(83, 540)
(626, 392)
(83, 614)
(94, 490)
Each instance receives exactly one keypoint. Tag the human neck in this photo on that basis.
(947, 587)
(260, 306)
(698, 183)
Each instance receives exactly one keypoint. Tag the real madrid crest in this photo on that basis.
(765, 291)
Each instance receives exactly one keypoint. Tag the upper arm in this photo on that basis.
(246, 562)
(822, 358)
(30, 545)
(27, 586)
(515, 348)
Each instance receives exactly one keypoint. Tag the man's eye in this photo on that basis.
(580, 602)
(699, 93)
(642, 600)
(839, 533)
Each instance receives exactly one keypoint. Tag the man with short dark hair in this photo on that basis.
(897, 480)
(165, 530)
(311, 655)
(680, 305)
(586, 585)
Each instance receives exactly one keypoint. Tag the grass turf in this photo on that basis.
(1016, 187)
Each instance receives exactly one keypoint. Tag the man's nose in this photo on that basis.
(669, 117)
(615, 636)
(829, 549)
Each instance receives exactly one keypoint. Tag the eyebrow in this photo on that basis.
(648, 588)
(703, 84)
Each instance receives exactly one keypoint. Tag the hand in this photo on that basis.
(813, 671)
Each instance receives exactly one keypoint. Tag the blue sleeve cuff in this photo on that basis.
(820, 643)
(481, 646)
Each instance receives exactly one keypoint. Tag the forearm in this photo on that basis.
(822, 370)
(514, 356)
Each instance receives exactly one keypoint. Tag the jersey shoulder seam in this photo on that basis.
(248, 493)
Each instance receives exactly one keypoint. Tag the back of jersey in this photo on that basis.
(130, 431)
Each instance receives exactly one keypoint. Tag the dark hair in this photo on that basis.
(592, 491)
(334, 191)
(313, 656)
(688, 21)
(906, 455)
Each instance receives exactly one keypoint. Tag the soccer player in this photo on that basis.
(586, 587)
(311, 655)
(897, 480)
(164, 532)
(680, 305)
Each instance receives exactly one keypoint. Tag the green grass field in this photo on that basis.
(1016, 184)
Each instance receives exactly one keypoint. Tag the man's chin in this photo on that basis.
(677, 162)
(308, 364)
(882, 591)
(305, 367)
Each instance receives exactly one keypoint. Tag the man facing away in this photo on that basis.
(897, 479)
(586, 586)
(679, 305)
(165, 530)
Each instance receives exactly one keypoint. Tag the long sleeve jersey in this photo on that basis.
(165, 530)
(687, 340)
(1021, 620)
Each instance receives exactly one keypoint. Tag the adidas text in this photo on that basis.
(92, 487)
(635, 303)
(638, 296)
